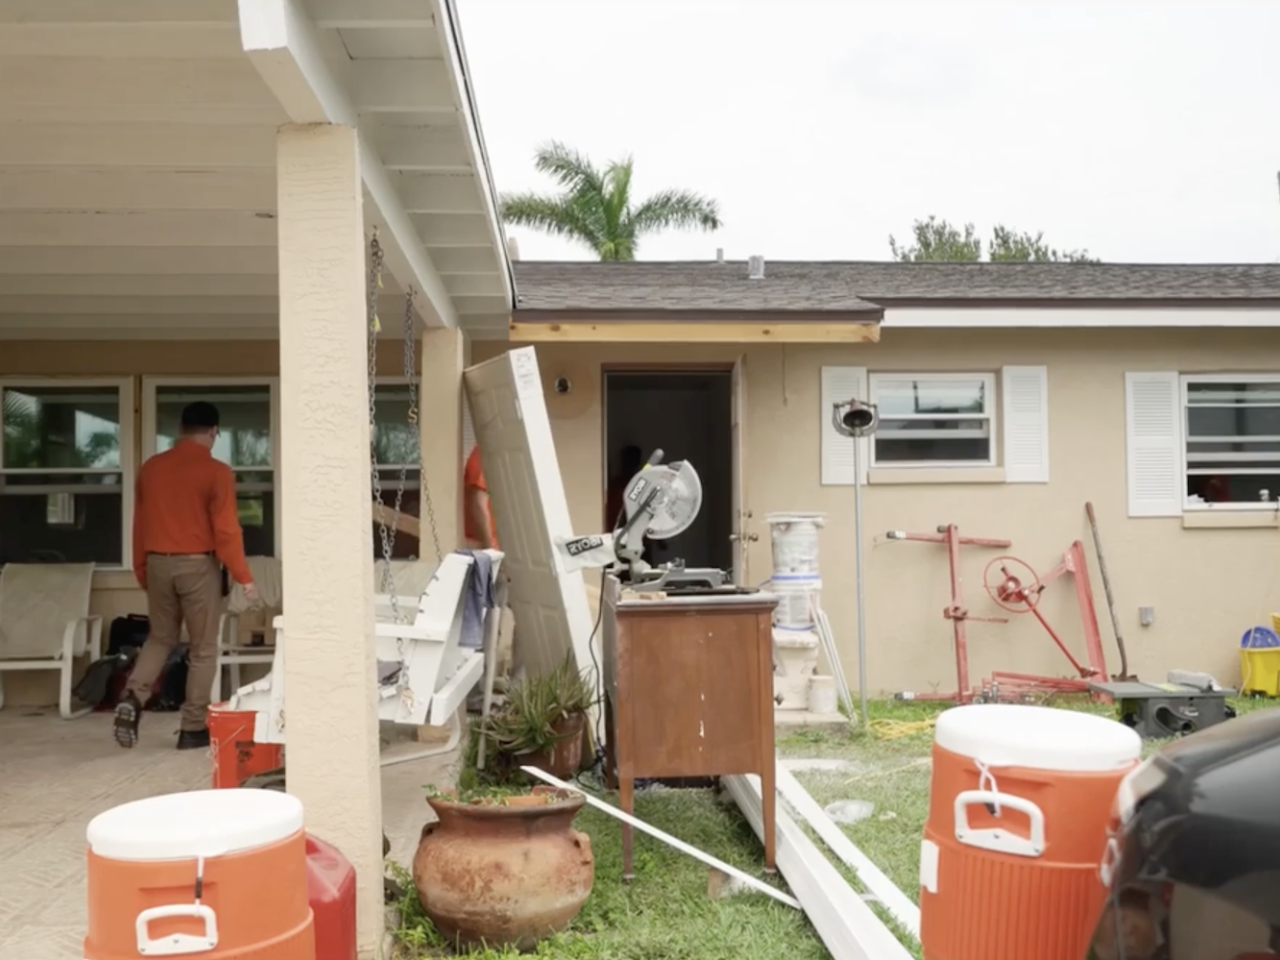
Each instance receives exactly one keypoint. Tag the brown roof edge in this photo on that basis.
(1077, 303)
(872, 315)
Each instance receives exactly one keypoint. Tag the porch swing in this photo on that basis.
(424, 674)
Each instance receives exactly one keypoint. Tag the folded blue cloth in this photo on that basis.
(478, 598)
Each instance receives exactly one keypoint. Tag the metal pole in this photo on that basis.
(857, 573)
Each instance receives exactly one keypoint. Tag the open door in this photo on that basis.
(742, 535)
(530, 509)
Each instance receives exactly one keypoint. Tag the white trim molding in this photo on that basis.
(1066, 316)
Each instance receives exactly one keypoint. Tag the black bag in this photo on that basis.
(170, 689)
(127, 631)
(100, 682)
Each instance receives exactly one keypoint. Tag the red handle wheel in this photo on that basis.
(1012, 584)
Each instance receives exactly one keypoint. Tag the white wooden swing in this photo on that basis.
(424, 674)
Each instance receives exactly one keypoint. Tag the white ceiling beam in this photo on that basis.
(45, 81)
(453, 230)
(283, 45)
(420, 149)
(136, 261)
(130, 229)
(204, 147)
(438, 193)
(486, 284)
(75, 12)
(459, 261)
(172, 306)
(471, 306)
(400, 86)
(141, 285)
(112, 332)
(33, 188)
(187, 115)
(210, 323)
(370, 14)
(116, 41)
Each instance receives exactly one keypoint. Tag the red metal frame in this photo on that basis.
(1016, 596)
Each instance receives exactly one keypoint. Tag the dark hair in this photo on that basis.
(200, 415)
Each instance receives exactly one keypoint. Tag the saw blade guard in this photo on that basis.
(676, 503)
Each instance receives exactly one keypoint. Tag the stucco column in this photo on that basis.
(444, 353)
(331, 712)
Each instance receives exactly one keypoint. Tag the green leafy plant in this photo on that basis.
(531, 718)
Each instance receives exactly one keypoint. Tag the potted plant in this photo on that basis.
(502, 866)
(543, 720)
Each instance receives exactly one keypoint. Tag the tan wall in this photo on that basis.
(117, 593)
(1206, 585)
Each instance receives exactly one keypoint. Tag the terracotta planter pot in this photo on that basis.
(504, 875)
(564, 758)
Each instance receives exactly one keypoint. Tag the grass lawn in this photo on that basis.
(665, 913)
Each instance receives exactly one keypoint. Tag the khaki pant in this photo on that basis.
(181, 588)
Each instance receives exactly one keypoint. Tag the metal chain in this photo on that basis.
(411, 378)
(376, 259)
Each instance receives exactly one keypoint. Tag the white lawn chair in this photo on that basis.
(423, 673)
(45, 623)
(232, 654)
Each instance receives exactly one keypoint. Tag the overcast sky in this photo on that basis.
(1144, 130)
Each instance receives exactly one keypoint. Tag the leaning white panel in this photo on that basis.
(509, 415)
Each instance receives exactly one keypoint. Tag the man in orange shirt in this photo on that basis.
(184, 522)
(477, 514)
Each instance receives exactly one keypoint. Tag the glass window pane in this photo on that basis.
(55, 518)
(908, 397)
(244, 412)
(61, 427)
(1234, 421)
(892, 450)
(1232, 394)
(258, 521)
(395, 439)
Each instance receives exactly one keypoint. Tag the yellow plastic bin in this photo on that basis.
(1260, 660)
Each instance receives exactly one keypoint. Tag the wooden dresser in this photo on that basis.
(688, 684)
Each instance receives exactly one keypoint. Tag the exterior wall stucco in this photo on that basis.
(1207, 585)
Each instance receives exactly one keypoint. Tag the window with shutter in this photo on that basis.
(1232, 442)
(1153, 426)
(840, 385)
(1025, 395)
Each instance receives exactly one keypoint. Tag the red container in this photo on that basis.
(234, 753)
(331, 889)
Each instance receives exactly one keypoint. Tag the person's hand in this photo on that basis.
(251, 593)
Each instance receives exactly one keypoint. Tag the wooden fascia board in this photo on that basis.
(693, 331)
(848, 927)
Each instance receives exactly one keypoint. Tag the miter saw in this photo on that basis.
(660, 502)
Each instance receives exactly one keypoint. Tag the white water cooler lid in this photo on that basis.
(201, 823)
(1038, 738)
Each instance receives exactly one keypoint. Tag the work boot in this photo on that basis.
(193, 739)
(128, 713)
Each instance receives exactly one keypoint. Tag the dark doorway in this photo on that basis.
(686, 415)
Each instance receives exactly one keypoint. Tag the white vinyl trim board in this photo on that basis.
(1153, 443)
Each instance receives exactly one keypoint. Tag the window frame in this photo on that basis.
(1185, 380)
(128, 449)
(149, 418)
(990, 414)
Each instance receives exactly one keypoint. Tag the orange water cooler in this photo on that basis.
(214, 874)
(1018, 810)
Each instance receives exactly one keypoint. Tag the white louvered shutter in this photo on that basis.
(1025, 410)
(840, 385)
(1153, 440)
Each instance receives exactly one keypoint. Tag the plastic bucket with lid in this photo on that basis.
(795, 593)
(216, 874)
(794, 539)
(1018, 809)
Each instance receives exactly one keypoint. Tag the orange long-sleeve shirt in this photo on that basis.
(186, 503)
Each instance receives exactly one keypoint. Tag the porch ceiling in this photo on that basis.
(137, 163)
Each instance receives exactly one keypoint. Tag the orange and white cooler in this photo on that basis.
(1018, 810)
(214, 874)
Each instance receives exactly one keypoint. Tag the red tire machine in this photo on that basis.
(1014, 586)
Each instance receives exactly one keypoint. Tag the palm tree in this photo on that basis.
(594, 206)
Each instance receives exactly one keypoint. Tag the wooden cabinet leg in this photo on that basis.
(610, 747)
(626, 805)
(768, 808)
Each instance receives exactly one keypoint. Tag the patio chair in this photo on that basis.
(232, 654)
(423, 675)
(45, 623)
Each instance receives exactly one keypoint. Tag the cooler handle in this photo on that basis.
(994, 838)
(177, 943)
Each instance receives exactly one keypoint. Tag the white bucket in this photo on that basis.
(822, 695)
(795, 661)
(795, 541)
(793, 593)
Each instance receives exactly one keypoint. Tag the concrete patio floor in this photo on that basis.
(56, 775)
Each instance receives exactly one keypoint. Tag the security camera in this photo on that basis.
(563, 385)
